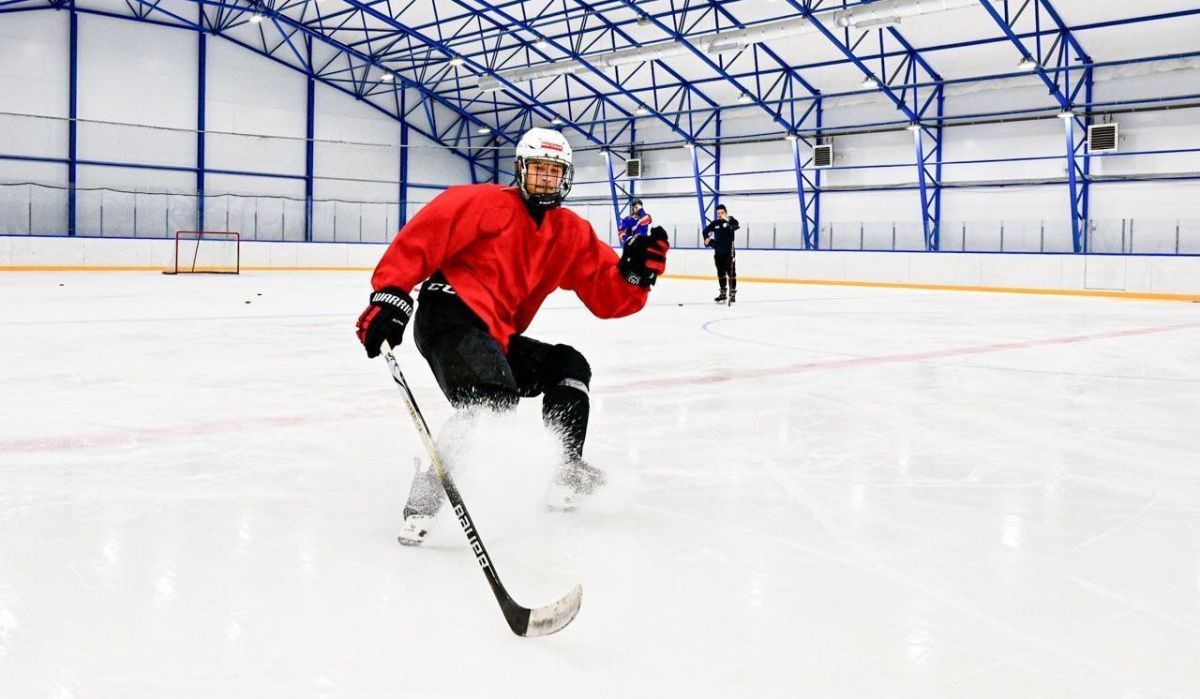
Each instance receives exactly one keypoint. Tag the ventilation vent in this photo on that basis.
(633, 167)
(1102, 138)
(823, 155)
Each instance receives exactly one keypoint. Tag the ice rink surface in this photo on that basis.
(819, 492)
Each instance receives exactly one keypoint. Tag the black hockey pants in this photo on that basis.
(471, 369)
(726, 266)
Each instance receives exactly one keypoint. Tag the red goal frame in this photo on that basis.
(199, 237)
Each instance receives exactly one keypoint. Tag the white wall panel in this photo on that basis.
(132, 73)
(431, 163)
(249, 95)
(34, 51)
(353, 140)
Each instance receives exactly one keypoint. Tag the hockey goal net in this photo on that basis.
(206, 252)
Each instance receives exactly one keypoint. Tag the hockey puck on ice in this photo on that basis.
(247, 301)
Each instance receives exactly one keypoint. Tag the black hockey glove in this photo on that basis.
(645, 258)
(384, 319)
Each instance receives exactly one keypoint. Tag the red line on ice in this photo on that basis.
(701, 379)
(192, 429)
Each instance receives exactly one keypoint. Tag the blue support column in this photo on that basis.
(403, 164)
(72, 115)
(1085, 212)
(816, 195)
(716, 169)
(928, 141)
(309, 156)
(939, 132)
(929, 232)
(201, 78)
(612, 186)
(807, 234)
(699, 183)
(631, 187)
(808, 189)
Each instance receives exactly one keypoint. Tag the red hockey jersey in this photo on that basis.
(503, 265)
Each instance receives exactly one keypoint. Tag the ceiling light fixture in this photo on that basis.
(457, 61)
(853, 22)
(1027, 63)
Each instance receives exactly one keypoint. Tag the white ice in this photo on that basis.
(819, 492)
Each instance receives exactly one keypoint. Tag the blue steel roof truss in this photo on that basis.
(1051, 64)
(351, 77)
(376, 50)
(905, 78)
(702, 135)
(713, 17)
(504, 119)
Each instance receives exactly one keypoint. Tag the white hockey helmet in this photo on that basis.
(548, 145)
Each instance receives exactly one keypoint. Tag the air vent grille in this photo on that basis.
(1102, 138)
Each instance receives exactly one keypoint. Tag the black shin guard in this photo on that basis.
(566, 408)
(566, 404)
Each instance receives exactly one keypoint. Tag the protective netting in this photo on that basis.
(39, 209)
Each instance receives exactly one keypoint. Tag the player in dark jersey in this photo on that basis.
(718, 235)
(489, 256)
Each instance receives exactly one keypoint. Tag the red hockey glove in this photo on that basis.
(384, 319)
(645, 258)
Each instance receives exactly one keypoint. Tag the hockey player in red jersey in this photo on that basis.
(489, 255)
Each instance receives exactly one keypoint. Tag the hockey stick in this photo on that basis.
(523, 622)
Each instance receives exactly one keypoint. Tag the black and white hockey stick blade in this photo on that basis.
(546, 620)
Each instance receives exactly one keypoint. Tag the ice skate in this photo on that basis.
(720, 297)
(574, 482)
(732, 296)
(424, 500)
(414, 529)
